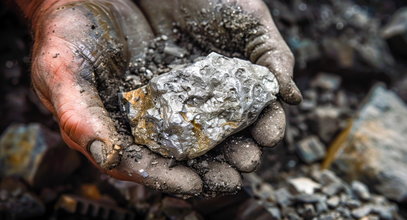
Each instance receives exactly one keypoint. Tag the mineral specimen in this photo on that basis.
(186, 112)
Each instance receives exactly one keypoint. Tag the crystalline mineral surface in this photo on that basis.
(186, 112)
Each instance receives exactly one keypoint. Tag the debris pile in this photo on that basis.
(313, 193)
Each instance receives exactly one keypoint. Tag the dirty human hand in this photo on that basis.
(74, 41)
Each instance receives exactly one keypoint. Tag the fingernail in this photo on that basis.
(293, 96)
(98, 151)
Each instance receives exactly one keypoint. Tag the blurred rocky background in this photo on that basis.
(344, 155)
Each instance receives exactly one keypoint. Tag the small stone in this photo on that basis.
(307, 105)
(385, 212)
(274, 212)
(264, 191)
(164, 37)
(325, 177)
(327, 217)
(341, 100)
(326, 98)
(378, 199)
(174, 50)
(293, 216)
(345, 213)
(332, 189)
(327, 81)
(310, 149)
(325, 122)
(371, 217)
(360, 190)
(283, 197)
(321, 207)
(306, 198)
(344, 197)
(186, 112)
(395, 32)
(309, 211)
(362, 211)
(20, 203)
(352, 203)
(303, 185)
(333, 201)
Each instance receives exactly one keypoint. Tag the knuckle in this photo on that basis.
(289, 56)
(68, 122)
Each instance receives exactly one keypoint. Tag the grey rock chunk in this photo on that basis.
(375, 149)
(384, 211)
(321, 207)
(274, 212)
(284, 197)
(360, 190)
(352, 203)
(327, 81)
(310, 149)
(362, 211)
(325, 177)
(186, 112)
(325, 122)
(303, 185)
(307, 198)
(333, 201)
(332, 189)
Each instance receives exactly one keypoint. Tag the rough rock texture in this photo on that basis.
(188, 111)
(37, 154)
(308, 193)
(375, 150)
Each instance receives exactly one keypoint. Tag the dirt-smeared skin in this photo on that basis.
(81, 50)
(221, 178)
(269, 128)
(242, 153)
(239, 28)
(243, 26)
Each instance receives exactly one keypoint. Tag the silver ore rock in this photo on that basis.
(186, 112)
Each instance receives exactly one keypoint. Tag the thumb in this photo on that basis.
(84, 123)
(267, 48)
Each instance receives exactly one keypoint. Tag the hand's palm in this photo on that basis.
(81, 43)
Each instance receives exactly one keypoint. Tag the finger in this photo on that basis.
(87, 127)
(268, 48)
(242, 153)
(141, 165)
(269, 128)
(218, 177)
(281, 64)
(160, 15)
(74, 102)
(136, 27)
(265, 45)
(64, 66)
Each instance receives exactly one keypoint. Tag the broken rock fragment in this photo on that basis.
(36, 154)
(373, 149)
(188, 111)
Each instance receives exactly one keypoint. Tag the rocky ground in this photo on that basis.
(343, 157)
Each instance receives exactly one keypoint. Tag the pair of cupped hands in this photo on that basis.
(76, 40)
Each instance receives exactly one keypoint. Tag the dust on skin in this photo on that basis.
(222, 32)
